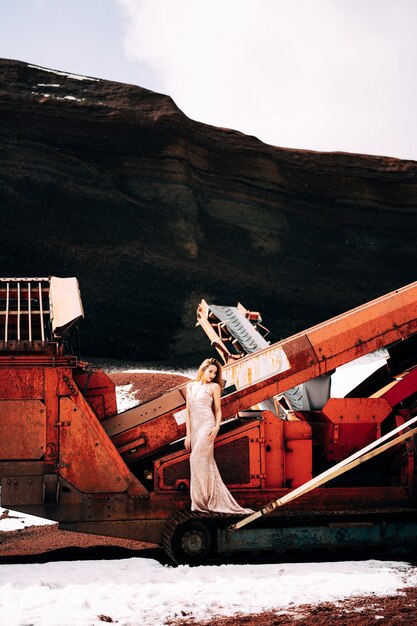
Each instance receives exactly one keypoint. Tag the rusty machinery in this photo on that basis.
(67, 455)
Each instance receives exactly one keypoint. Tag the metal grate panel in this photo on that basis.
(176, 471)
(232, 459)
(239, 327)
(24, 312)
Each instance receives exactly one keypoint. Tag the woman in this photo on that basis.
(208, 492)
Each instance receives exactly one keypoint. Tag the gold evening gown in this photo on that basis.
(208, 491)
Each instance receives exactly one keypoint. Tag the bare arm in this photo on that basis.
(217, 407)
(187, 442)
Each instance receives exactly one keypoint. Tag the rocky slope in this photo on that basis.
(153, 211)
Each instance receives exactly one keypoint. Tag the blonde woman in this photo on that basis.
(203, 417)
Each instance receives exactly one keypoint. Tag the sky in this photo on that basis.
(327, 75)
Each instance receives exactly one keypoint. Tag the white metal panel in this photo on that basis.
(65, 302)
(258, 367)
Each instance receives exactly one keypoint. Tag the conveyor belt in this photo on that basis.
(246, 334)
(240, 327)
(310, 395)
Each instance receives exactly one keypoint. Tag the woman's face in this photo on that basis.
(209, 373)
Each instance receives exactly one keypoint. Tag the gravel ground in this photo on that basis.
(147, 385)
(358, 611)
(38, 540)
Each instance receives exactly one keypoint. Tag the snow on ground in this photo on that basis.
(126, 397)
(140, 591)
(188, 372)
(48, 95)
(12, 520)
(76, 76)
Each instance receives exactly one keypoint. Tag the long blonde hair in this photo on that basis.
(218, 378)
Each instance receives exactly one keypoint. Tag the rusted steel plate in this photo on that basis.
(392, 315)
(38, 360)
(22, 383)
(298, 453)
(22, 468)
(99, 391)
(23, 493)
(354, 410)
(160, 506)
(153, 435)
(22, 429)
(88, 460)
(170, 401)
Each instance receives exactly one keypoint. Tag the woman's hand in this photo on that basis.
(187, 443)
(213, 433)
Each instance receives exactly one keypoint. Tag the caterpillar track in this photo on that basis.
(194, 546)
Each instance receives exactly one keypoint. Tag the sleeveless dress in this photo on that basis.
(208, 491)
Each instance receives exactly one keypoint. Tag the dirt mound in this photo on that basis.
(147, 385)
(359, 611)
(43, 539)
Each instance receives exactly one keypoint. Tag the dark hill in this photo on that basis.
(153, 211)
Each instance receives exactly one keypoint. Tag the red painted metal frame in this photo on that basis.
(313, 353)
(51, 421)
